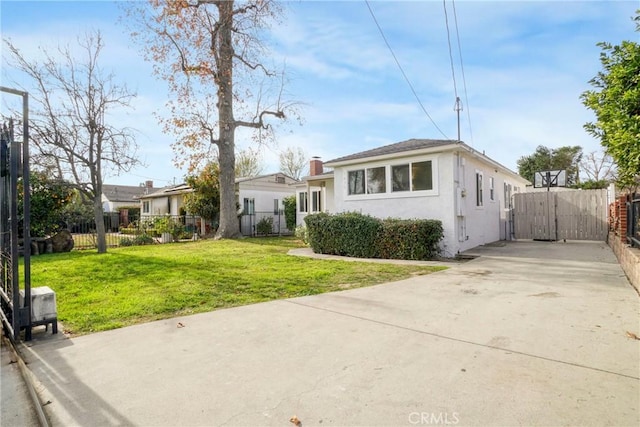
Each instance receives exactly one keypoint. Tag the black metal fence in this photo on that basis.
(182, 227)
(119, 230)
(14, 163)
(633, 220)
(264, 224)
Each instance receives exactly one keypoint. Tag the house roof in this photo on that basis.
(184, 188)
(415, 146)
(168, 191)
(398, 147)
(252, 178)
(123, 193)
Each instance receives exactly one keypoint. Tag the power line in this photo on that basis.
(402, 70)
(464, 80)
(453, 72)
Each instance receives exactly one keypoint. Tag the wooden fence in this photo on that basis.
(557, 215)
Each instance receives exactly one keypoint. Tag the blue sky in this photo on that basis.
(525, 66)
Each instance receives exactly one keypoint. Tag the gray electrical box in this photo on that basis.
(43, 307)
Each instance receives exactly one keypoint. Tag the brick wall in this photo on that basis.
(618, 218)
(629, 259)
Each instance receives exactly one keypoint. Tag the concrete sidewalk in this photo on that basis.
(527, 334)
(17, 408)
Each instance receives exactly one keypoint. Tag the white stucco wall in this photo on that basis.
(325, 185)
(435, 204)
(452, 200)
(264, 191)
(489, 222)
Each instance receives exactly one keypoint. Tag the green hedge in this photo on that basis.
(362, 236)
(409, 239)
(290, 212)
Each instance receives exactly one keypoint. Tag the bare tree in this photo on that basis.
(293, 162)
(598, 166)
(210, 54)
(71, 99)
(248, 163)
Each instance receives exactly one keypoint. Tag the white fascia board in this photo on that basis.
(400, 154)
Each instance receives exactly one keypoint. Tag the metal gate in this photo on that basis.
(14, 163)
(557, 215)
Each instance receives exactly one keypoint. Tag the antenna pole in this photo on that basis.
(458, 108)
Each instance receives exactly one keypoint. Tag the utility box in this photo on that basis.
(43, 307)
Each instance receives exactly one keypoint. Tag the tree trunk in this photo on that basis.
(98, 216)
(229, 226)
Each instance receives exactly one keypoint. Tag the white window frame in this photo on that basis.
(479, 189)
(389, 194)
(316, 201)
(146, 206)
(492, 193)
(249, 206)
(303, 196)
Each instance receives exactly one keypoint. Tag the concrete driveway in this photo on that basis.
(528, 334)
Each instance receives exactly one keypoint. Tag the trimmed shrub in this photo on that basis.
(409, 239)
(362, 236)
(265, 226)
(290, 212)
(347, 234)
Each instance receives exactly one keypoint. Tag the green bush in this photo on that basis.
(129, 230)
(142, 239)
(167, 224)
(265, 226)
(290, 212)
(126, 241)
(316, 234)
(362, 236)
(409, 239)
(348, 234)
(301, 233)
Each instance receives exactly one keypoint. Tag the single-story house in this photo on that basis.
(165, 201)
(420, 178)
(124, 196)
(262, 197)
(257, 197)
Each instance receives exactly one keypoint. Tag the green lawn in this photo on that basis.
(136, 284)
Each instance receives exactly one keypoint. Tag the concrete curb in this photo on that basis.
(27, 376)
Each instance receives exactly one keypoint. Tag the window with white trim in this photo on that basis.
(303, 202)
(479, 189)
(491, 189)
(421, 176)
(315, 201)
(146, 206)
(400, 178)
(377, 180)
(417, 176)
(249, 206)
(356, 182)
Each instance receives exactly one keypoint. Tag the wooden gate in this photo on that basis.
(557, 215)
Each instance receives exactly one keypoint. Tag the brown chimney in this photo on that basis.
(148, 184)
(315, 167)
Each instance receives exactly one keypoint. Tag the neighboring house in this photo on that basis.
(123, 196)
(262, 196)
(420, 178)
(165, 201)
(257, 197)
